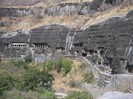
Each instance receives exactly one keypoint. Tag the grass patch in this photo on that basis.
(88, 77)
(79, 95)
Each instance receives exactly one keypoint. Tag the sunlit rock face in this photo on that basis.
(122, 82)
(116, 95)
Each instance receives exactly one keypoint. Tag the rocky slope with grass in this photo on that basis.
(64, 13)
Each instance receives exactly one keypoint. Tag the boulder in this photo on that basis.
(116, 95)
(122, 81)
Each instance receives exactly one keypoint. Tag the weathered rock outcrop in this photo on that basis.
(61, 9)
(116, 95)
(14, 12)
(18, 2)
(122, 82)
(112, 38)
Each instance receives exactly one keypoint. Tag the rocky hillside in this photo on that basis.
(64, 13)
(34, 2)
(80, 28)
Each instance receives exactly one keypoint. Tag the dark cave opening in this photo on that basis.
(110, 1)
(84, 54)
(91, 51)
(101, 52)
(129, 68)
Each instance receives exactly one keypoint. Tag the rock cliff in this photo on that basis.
(110, 38)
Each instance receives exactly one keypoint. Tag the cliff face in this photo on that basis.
(110, 39)
(69, 14)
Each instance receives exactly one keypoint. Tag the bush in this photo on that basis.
(6, 82)
(79, 95)
(63, 64)
(47, 94)
(66, 65)
(28, 58)
(20, 64)
(66, 69)
(48, 65)
(66, 61)
(34, 78)
(88, 77)
(58, 65)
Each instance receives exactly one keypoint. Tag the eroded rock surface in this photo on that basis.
(81, 8)
(116, 95)
(122, 82)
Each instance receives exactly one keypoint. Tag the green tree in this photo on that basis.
(48, 65)
(35, 78)
(63, 64)
(58, 65)
(66, 65)
(66, 69)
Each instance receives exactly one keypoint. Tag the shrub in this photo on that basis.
(66, 65)
(63, 64)
(66, 69)
(20, 64)
(48, 65)
(47, 94)
(66, 61)
(58, 65)
(35, 78)
(79, 95)
(28, 58)
(88, 77)
(6, 82)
